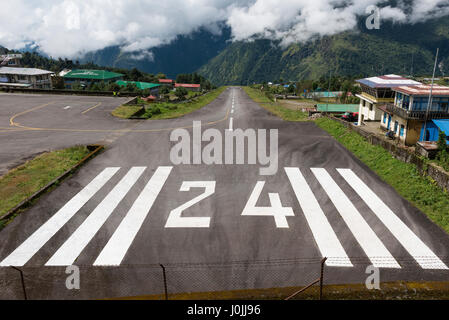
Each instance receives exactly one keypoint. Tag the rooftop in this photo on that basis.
(387, 81)
(92, 74)
(323, 107)
(188, 85)
(423, 89)
(140, 85)
(166, 80)
(24, 71)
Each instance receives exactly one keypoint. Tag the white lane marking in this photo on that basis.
(231, 123)
(176, 221)
(324, 235)
(232, 111)
(71, 249)
(68, 107)
(40, 237)
(420, 252)
(117, 246)
(378, 254)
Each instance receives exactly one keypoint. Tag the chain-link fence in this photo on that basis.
(263, 279)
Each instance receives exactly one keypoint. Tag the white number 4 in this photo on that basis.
(276, 210)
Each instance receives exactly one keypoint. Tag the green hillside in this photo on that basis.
(392, 49)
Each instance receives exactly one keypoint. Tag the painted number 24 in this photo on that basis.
(276, 210)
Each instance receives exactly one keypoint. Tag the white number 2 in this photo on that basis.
(276, 210)
(176, 221)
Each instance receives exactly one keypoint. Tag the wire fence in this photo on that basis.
(263, 279)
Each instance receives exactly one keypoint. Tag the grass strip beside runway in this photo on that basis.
(23, 181)
(275, 108)
(167, 110)
(421, 191)
(126, 112)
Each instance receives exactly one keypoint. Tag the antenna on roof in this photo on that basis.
(430, 96)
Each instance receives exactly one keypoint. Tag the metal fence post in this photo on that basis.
(165, 281)
(322, 277)
(22, 280)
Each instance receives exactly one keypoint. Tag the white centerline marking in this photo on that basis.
(40, 237)
(117, 246)
(71, 249)
(420, 252)
(231, 122)
(322, 231)
(365, 236)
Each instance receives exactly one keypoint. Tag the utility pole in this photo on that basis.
(328, 92)
(430, 96)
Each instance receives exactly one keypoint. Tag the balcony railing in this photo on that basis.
(416, 115)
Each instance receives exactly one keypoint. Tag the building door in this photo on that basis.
(389, 122)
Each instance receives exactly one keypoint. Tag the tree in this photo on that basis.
(164, 90)
(442, 141)
(181, 93)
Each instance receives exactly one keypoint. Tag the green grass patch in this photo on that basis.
(421, 191)
(275, 108)
(22, 182)
(125, 112)
(168, 110)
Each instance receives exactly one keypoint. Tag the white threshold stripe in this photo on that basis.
(231, 123)
(72, 248)
(41, 236)
(415, 247)
(378, 254)
(117, 246)
(322, 231)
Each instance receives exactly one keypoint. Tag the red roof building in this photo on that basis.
(189, 86)
(166, 81)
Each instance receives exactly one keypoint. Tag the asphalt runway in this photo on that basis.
(214, 227)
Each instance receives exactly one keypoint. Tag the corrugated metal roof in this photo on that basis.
(424, 89)
(165, 80)
(337, 107)
(24, 71)
(187, 85)
(387, 81)
(92, 74)
(140, 85)
(443, 125)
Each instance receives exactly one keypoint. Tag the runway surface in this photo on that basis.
(215, 227)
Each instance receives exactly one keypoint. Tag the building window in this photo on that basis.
(363, 103)
(384, 120)
(401, 132)
(396, 125)
(370, 107)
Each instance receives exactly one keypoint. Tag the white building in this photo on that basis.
(25, 78)
(10, 60)
(378, 91)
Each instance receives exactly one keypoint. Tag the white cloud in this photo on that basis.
(69, 28)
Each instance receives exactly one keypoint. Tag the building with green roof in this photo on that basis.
(84, 76)
(139, 85)
(337, 108)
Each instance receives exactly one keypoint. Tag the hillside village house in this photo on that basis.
(189, 86)
(377, 91)
(167, 82)
(152, 87)
(10, 60)
(25, 78)
(86, 77)
(405, 116)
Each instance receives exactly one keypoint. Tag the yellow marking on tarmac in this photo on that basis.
(11, 121)
(16, 124)
(95, 106)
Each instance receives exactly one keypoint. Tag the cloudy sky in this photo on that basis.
(68, 28)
